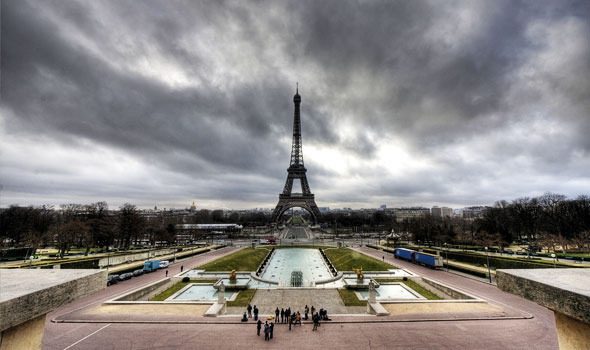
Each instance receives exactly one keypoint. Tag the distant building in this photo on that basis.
(382, 207)
(441, 212)
(402, 214)
(474, 212)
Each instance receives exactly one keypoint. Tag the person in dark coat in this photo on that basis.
(277, 313)
(255, 313)
(266, 331)
(244, 318)
(316, 322)
(249, 308)
(271, 327)
(258, 327)
(282, 315)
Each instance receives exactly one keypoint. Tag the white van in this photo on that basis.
(164, 263)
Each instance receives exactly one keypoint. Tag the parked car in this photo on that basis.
(112, 279)
(137, 272)
(125, 276)
(164, 263)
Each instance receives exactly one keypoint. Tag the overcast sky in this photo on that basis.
(403, 102)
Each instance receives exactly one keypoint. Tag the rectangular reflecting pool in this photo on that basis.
(307, 260)
(201, 292)
(391, 292)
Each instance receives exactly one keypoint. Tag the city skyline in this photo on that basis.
(403, 103)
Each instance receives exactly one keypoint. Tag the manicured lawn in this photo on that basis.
(349, 298)
(243, 299)
(176, 287)
(414, 286)
(168, 292)
(247, 259)
(345, 259)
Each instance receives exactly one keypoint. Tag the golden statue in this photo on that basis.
(232, 275)
(359, 273)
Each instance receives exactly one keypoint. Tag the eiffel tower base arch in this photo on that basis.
(286, 202)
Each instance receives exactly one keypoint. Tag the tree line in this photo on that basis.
(83, 226)
(550, 220)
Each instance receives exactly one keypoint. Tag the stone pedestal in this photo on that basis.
(221, 294)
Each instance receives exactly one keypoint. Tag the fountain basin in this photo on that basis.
(355, 283)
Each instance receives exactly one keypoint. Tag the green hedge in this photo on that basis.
(498, 262)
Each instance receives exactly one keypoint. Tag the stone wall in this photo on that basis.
(66, 286)
(560, 300)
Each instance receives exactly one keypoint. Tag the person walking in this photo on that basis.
(315, 322)
(277, 313)
(181, 268)
(255, 313)
(166, 272)
(266, 331)
(282, 315)
(271, 327)
(258, 327)
(306, 310)
(312, 310)
(290, 322)
(249, 309)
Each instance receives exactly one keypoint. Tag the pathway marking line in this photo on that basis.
(88, 336)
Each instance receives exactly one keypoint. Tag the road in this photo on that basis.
(297, 232)
(535, 333)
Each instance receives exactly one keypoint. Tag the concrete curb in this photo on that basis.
(376, 320)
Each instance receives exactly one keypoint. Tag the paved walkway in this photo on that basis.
(403, 330)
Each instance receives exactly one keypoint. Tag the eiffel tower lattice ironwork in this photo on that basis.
(296, 170)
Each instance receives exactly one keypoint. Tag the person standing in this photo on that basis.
(266, 331)
(258, 327)
(255, 313)
(315, 322)
(282, 315)
(312, 310)
(271, 327)
(166, 272)
(181, 268)
(249, 309)
(306, 310)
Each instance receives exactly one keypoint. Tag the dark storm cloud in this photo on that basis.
(204, 90)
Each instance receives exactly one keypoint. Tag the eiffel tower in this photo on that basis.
(296, 170)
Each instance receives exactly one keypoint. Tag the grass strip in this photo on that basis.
(415, 286)
(345, 259)
(349, 298)
(168, 292)
(247, 259)
(244, 298)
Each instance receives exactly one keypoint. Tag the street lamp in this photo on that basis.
(489, 270)
(447, 255)
(554, 262)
